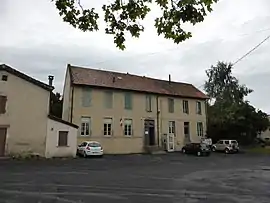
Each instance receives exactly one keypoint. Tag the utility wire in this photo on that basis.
(253, 49)
(249, 52)
(171, 49)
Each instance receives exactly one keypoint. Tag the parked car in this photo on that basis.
(198, 149)
(227, 146)
(90, 148)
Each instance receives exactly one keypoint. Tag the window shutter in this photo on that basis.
(86, 97)
(63, 138)
(128, 101)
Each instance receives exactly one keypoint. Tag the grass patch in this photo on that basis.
(260, 150)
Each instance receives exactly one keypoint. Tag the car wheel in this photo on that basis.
(183, 151)
(214, 149)
(227, 151)
(199, 153)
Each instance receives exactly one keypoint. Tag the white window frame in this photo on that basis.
(106, 123)
(200, 129)
(171, 127)
(129, 124)
(86, 121)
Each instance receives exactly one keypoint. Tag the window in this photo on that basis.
(128, 127)
(186, 129)
(171, 127)
(185, 107)
(107, 127)
(148, 103)
(128, 101)
(63, 138)
(108, 99)
(220, 142)
(227, 142)
(94, 144)
(4, 77)
(170, 105)
(85, 126)
(200, 129)
(83, 144)
(86, 97)
(198, 107)
(3, 101)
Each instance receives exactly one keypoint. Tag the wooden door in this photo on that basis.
(3, 134)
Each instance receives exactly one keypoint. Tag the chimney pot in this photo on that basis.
(169, 78)
(51, 77)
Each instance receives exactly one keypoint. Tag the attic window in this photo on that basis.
(4, 77)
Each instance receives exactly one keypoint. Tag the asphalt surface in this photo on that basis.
(173, 178)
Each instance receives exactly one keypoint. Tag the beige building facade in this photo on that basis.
(128, 114)
(24, 123)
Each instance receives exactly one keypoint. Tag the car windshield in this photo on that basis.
(204, 145)
(94, 144)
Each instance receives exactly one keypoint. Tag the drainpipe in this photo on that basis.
(158, 112)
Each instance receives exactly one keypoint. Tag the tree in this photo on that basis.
(56, 104)
(231, 116)
(125, 16)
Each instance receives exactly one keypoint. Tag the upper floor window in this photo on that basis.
(107, 127)
(185, 107)
(108, 99)
(4, 77)
(171, 127)
(198, 107)
(148, 103)
(85, 126)
(170, 105)
(200, 129)
(3, 102)
(86, 97)
(128, 100)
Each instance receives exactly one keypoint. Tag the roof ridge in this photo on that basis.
(122, 73)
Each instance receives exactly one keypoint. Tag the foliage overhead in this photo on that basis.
(125, 16)
(231, 116)
(56, 104)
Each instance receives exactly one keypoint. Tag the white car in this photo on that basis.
(90, 148)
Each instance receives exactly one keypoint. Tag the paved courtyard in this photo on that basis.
(173, 178)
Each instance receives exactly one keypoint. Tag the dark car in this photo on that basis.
(198, 149)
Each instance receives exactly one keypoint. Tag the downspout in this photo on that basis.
(72, 103)
(157, 120)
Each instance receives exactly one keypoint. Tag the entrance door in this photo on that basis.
(3, 134)
(149, 127)
(170, 142)
(187, 132)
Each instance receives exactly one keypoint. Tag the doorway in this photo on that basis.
(149, 129)
(3, 134)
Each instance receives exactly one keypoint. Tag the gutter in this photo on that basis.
(72, 104)
(157, 120)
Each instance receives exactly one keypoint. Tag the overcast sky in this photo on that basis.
(34, 40)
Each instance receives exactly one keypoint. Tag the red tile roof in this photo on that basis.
(108, 79)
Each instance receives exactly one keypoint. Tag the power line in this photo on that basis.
(171, 49)
(250, 51)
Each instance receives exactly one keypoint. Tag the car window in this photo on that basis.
(83, 144)
(234, 142)
(220, 142)
(227, 142)
(94, 144)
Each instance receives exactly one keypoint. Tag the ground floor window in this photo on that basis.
(63, 138)
(128, 127)
(200, 129)
(85, 126)
(107, 127)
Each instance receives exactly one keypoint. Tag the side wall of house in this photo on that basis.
(27, 109)
(66, 97)
(118, 142)
(52, 148)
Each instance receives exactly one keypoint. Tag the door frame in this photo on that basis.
(169, 142)
(148, 123)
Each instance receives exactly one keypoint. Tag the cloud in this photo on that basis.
(35, 40)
